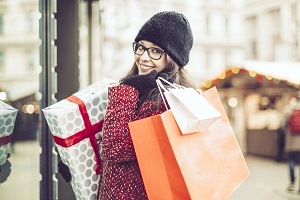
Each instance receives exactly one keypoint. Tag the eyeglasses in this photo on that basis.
(154, 53)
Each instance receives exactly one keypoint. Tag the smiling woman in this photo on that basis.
(137, 97)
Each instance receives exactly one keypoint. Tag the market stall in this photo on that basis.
(255, 103)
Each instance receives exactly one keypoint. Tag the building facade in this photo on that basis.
(273, 30)
(19, 49)
(223, 37)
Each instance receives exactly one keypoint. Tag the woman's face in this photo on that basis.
(145, 63)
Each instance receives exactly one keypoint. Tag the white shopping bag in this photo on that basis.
(192, 112)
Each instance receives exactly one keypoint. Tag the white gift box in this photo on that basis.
(74, 123)
(8, 116)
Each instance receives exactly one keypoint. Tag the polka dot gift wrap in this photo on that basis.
(8, 116)
(75, 122)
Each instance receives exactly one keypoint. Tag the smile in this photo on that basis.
(146, 67)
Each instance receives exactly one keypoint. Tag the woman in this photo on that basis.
(161, 48)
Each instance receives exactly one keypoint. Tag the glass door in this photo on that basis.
(19, 88)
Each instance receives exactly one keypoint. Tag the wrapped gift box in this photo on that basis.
(74, 123)
(8, 116)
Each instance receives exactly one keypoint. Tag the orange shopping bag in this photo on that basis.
(206, 165)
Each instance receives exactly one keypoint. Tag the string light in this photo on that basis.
(252, 73)
(269, 77)
(3, 96)
(222, 75)
(233, 102)
(207, 84)
(236, 70)
(276, 81)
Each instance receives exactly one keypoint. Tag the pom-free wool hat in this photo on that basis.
(171, 31)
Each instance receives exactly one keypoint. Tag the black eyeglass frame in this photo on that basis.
(147, 49)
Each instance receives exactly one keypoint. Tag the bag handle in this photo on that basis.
(174, 85)
(179, 86)
(160, 88)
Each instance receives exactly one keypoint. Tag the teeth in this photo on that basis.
(145, 67)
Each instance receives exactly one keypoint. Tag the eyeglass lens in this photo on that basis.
(154, 53)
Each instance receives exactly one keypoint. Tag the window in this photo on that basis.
(30, 60)
(30, 22)
(253, 52)
(1, 25)
(275, 35)
(2, 61)
(253, 38)
(226, 21)
(207, 59)
(227, 58)
(207, 25)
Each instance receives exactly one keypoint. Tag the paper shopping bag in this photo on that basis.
(191, 110)
(206, 165)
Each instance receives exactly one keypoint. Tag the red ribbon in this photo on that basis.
(89, 132)
(5, 140)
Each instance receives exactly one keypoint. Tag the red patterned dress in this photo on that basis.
(121, 177)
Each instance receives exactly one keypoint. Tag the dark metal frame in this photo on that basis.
(59, 59)
(47, 26)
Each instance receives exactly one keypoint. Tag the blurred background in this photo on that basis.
(49, 49)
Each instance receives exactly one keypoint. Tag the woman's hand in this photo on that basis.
(143, 83)
(64, 171)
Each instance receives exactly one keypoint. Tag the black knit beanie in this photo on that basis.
(171, 31)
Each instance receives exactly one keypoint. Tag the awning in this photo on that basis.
(281, 70)
(256, 74)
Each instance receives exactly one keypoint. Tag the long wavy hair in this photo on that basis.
(172, 72)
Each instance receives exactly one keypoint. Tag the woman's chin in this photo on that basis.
(143, 71)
